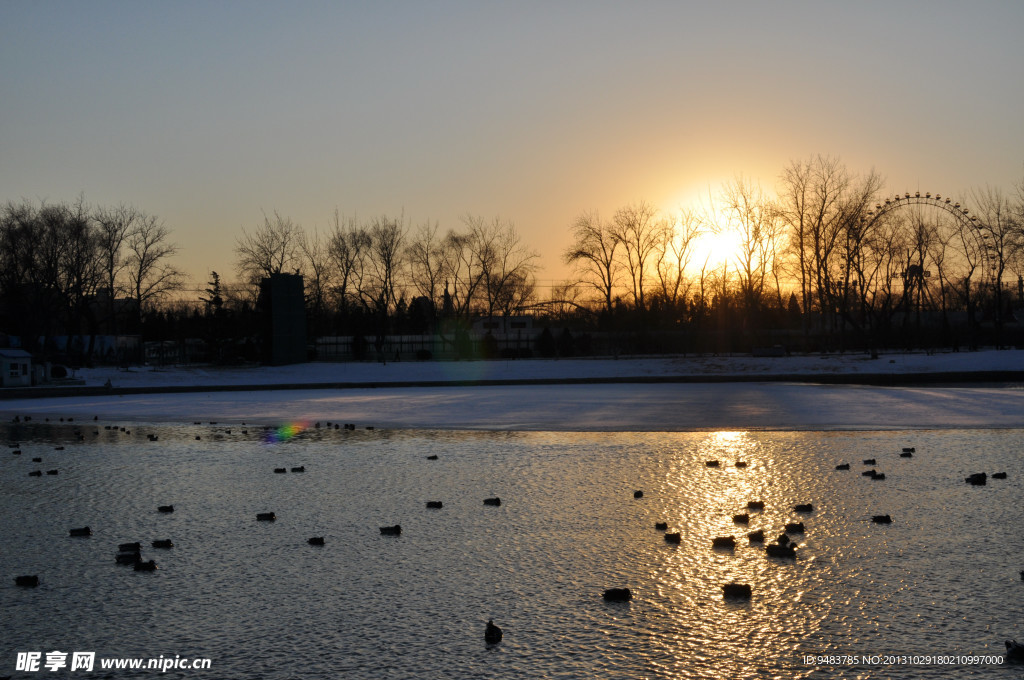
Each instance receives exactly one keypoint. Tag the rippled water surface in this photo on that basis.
(260, 602)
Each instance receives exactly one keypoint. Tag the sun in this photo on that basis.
(715, 248)
(719, 242)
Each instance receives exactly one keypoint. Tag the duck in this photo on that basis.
(755, 505)
(795, 528)
(638, 494)
(778, 550)
(869, 461)
(1014, 651)
(618, 595)
(84, 531)
(300, 468)
(741, 519)
(395, 530)
(492, 501)
(738, 591)
(493, 633)
(723, 542)
(803, 507)
(26, 581)
(280, 471)
(661, 526)
(127, 547)
(146, 566)
(674, 537)
(977, 479)
(843, 466)
(316, 540)
(265, 517)
(163, 543)
(432, 457)
(881, 519)
(711, 463)
(756, 536)
(435, 505)
(165, 508)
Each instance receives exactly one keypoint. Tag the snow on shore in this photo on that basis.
(743, 365)
(591, 407)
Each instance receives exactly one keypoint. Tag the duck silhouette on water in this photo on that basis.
(492, 635)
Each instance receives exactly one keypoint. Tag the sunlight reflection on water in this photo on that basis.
(259, 601)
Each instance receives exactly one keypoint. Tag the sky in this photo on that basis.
(208, 114)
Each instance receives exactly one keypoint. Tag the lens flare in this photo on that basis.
(284, 432)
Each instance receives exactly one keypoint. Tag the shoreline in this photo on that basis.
(956, 378)
(629, 407)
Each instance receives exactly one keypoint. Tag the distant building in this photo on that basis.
(282, 304)
(503, 325)
(15, 368)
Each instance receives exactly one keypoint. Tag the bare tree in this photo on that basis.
(273, 248)
(319, 273)
(426, 258)
(674, 254)
(28, 273)
(465, 269)
(755, 219)
(593, 253)
(150, 275)
(507, 266)
(113, 226)
(821, 202)
(1000, 229)
(639, 231)
(348, 247)
(380, 287)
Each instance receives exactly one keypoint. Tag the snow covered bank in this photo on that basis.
(625, 407)
(434, 371)
(593, 407)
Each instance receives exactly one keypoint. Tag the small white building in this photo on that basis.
(503, 326)
(15, 368)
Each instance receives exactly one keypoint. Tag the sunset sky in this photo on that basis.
(208, 113)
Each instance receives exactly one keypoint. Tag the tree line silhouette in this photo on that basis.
(829, 261)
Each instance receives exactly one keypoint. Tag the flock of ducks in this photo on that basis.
(783, 546)
(130, 554)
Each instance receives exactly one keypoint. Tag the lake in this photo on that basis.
(939, 584)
